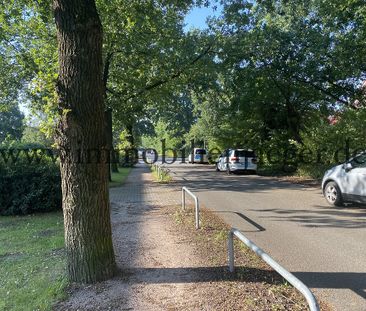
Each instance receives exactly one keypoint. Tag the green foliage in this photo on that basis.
(35, 135)
(124, 140)
(28, 185)
(30, 189)
(28, 62)
(173, 139)
(11, 124)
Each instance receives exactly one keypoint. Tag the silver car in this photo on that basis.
(346, 182)
(237, 160)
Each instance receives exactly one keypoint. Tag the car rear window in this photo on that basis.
(245, 153)
(200, 151)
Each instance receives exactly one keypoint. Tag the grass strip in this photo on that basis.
(119, 178)
(32, 261)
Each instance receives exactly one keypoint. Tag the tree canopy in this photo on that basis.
(262, 71)
(282, 70)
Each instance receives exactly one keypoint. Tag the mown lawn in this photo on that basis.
(32, 258)
(119, 178)
(32, 261)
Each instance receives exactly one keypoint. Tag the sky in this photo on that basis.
(196, 18)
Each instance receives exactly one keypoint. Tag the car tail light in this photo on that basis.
(234, 159)
(254, 160)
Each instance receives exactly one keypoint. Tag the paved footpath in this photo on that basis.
(159, 270)
(139, 188)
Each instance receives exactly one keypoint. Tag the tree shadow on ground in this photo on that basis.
(256, 225)
(201, 274)
(354, 281)
(319, 217)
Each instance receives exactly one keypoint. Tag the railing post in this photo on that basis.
(230, 247)
(197, 213)
(183, 199)
(196, 205)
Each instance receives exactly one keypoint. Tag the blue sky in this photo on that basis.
(196, 18)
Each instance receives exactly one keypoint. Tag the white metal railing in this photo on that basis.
(196, 203)
(301, 287)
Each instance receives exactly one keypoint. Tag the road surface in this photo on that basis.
(321, 245)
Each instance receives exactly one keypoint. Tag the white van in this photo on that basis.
(200, 155)
(346, 182)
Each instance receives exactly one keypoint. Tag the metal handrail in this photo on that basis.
(301, 287)
(197, 206)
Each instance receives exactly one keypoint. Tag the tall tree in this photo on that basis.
(81, 127)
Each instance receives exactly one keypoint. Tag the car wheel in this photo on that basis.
(333, 194)
(217, 167)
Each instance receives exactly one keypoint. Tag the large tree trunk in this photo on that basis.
(85, 200)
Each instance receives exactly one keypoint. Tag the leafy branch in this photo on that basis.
(163, 81)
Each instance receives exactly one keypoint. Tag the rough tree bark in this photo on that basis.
(81, 139)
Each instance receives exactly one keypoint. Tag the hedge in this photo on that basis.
(26, 189)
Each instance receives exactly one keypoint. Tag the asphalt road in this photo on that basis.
(321, 245)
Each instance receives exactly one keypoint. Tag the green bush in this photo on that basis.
(27, 188)
(313, 171)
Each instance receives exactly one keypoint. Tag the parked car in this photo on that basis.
(200, 155)
(346, 182)
(237, 160)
